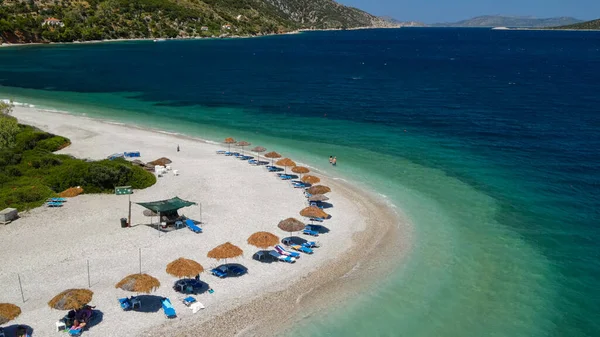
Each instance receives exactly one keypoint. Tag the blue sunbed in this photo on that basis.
(316, 219)
(132, 154)
(285, 177)
(57, 199)
(245, 157)
(125, 303)
(302, 248)
(283, 251)
(253, 162)
(316, 204)
(220, 272)
(298, 184)
(283, 258)
(192, 226)
(168, 308)
(311, 244)
(221, 151)
(55, 204)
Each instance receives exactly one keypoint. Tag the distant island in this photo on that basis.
(587, 25)
(29, 21)
(510, 21)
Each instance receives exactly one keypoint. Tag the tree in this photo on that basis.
(9, 128)
(6, 108)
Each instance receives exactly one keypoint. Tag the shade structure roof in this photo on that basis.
(225, 251)
(71, 299)
(318, 197)
(172, 204)
(184, 268)
(314, 212)
(310, 179)
(139, 283)
(243, 143)
(300, 169)
(272, 154)
(285, 162)
(8, 312)
(259, 149)
(263, 239)
(291, 225)
(318, 189)
(229, 140)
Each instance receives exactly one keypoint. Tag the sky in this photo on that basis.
(432, 11)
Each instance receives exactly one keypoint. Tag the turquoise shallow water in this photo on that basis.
(487, 141)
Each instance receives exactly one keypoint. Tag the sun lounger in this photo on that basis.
(253, 162)
(306, 194)
(57, 199)
(192, 226)
(125, 303)
(132, 154)
(282, 251)
(220, 272)
(55, 204)
(228, 153)
(168, 308)
(283, 258)
(312, 244)
(298, 184)
(308, 230)
(285, 177)
(221, 152)
(316, 204)
(316, 219)
(302, 248)
(245, 157)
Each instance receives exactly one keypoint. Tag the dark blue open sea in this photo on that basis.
(487, 140)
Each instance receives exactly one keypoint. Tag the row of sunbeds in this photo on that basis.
(56, 202)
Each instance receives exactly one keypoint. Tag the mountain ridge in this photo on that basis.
(587, 25)
(27, 21)
(509, 21)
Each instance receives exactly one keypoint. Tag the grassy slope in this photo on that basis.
(594, 24)
(30, 173)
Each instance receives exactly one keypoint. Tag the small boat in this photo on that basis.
(500, 28)
(160, 40)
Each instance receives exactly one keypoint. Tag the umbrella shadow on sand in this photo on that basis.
(199, 287)
(96, 319)
(263, 256)
(12, 330)
(326, 205)
(320, 228)
(229, 265)
(150, 303)
(295, 240)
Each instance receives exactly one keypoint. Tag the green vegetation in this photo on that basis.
(30, 173)
(22, 21)
(590, 25)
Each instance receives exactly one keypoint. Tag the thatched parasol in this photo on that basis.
(139, 283)
(162, 161)
(148, 212)
(229, 141)
(8, 312)
(242, 144)
(225, 251)
(311, 179)
(300, 169)
(318, 189)
(318, 197)
(259, 150)
(184, 268)
(314, 212)
(263, 239)
(272, 155)
(291, 225)
(71, 299)
(285, 162)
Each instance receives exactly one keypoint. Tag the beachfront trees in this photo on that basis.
(9, 127)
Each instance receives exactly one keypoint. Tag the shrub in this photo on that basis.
(53, 144)
(9, 128)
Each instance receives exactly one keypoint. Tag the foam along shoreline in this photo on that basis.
(365, 241)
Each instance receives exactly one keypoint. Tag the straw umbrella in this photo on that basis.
(139, 283)
(258, 151)
(225, 251)
(184, 268)
(314, 212)
(71, 299)
(229, 141)
(300, 169)
(8, 312)
(318, 189)
(310, 179)
(291, 225)
(285, 162)
(242, 144)
(263, 239)
(272, 155)
(318, 197)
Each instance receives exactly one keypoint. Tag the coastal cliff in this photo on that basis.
(67, 21)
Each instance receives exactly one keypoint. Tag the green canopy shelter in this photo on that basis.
(167, 206)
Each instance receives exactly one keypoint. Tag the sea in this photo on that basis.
(487, 141)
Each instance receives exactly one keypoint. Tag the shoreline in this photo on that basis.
(371, 254)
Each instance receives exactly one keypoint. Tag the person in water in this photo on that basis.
(330, 159)
(334, 161)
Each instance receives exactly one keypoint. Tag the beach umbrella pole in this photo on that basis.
(21, 288)
(200, 206)
(88, 270)
(140, 254)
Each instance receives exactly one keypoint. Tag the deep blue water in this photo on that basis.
(488, 140)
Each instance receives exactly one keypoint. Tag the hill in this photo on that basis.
(399, 23)
(509, 21)
(23, 21)
(593, 25)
